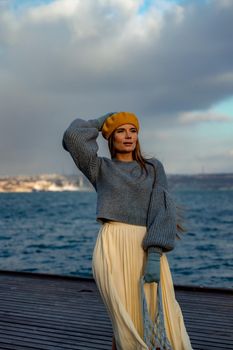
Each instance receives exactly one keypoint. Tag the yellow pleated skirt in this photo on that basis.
(117, 264)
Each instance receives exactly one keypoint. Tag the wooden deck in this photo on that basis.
(45, 312)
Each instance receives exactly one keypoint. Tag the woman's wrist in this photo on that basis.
(155, 249)
(101, 121)
(98, 122)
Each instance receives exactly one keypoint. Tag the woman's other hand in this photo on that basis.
(152, 269)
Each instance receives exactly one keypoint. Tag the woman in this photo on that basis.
(127, 246)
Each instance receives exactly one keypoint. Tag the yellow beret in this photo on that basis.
(117, 119)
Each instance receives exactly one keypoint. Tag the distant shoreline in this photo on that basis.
(63, 183)
(44, 183)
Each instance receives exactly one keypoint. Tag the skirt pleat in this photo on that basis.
(117, 264)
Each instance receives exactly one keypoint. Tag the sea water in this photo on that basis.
(55, 232)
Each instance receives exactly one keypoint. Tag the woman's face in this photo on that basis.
(125, 138)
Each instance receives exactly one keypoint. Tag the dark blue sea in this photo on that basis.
(55, 232)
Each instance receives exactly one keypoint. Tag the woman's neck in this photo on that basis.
(124, 157)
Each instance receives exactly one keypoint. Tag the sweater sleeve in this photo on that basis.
(79, 140)
(161, 223)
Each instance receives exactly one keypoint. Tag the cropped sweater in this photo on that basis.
(124, 190)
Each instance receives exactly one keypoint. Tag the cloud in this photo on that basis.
(85, 58)
(199, 117)
(163, 61)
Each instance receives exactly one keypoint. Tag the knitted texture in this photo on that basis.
(123, 189)
(161, 220)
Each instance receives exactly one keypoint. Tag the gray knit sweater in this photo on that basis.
(123, 189)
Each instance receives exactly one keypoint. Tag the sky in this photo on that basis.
(169, 62)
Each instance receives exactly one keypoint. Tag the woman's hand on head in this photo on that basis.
(102, 119)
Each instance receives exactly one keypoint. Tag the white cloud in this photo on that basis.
(54, 11)
(199, 117)
(84, 58)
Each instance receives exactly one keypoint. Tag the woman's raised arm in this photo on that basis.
(79, 140)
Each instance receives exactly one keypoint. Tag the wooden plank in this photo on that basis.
(55, 312)
(51, 312)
